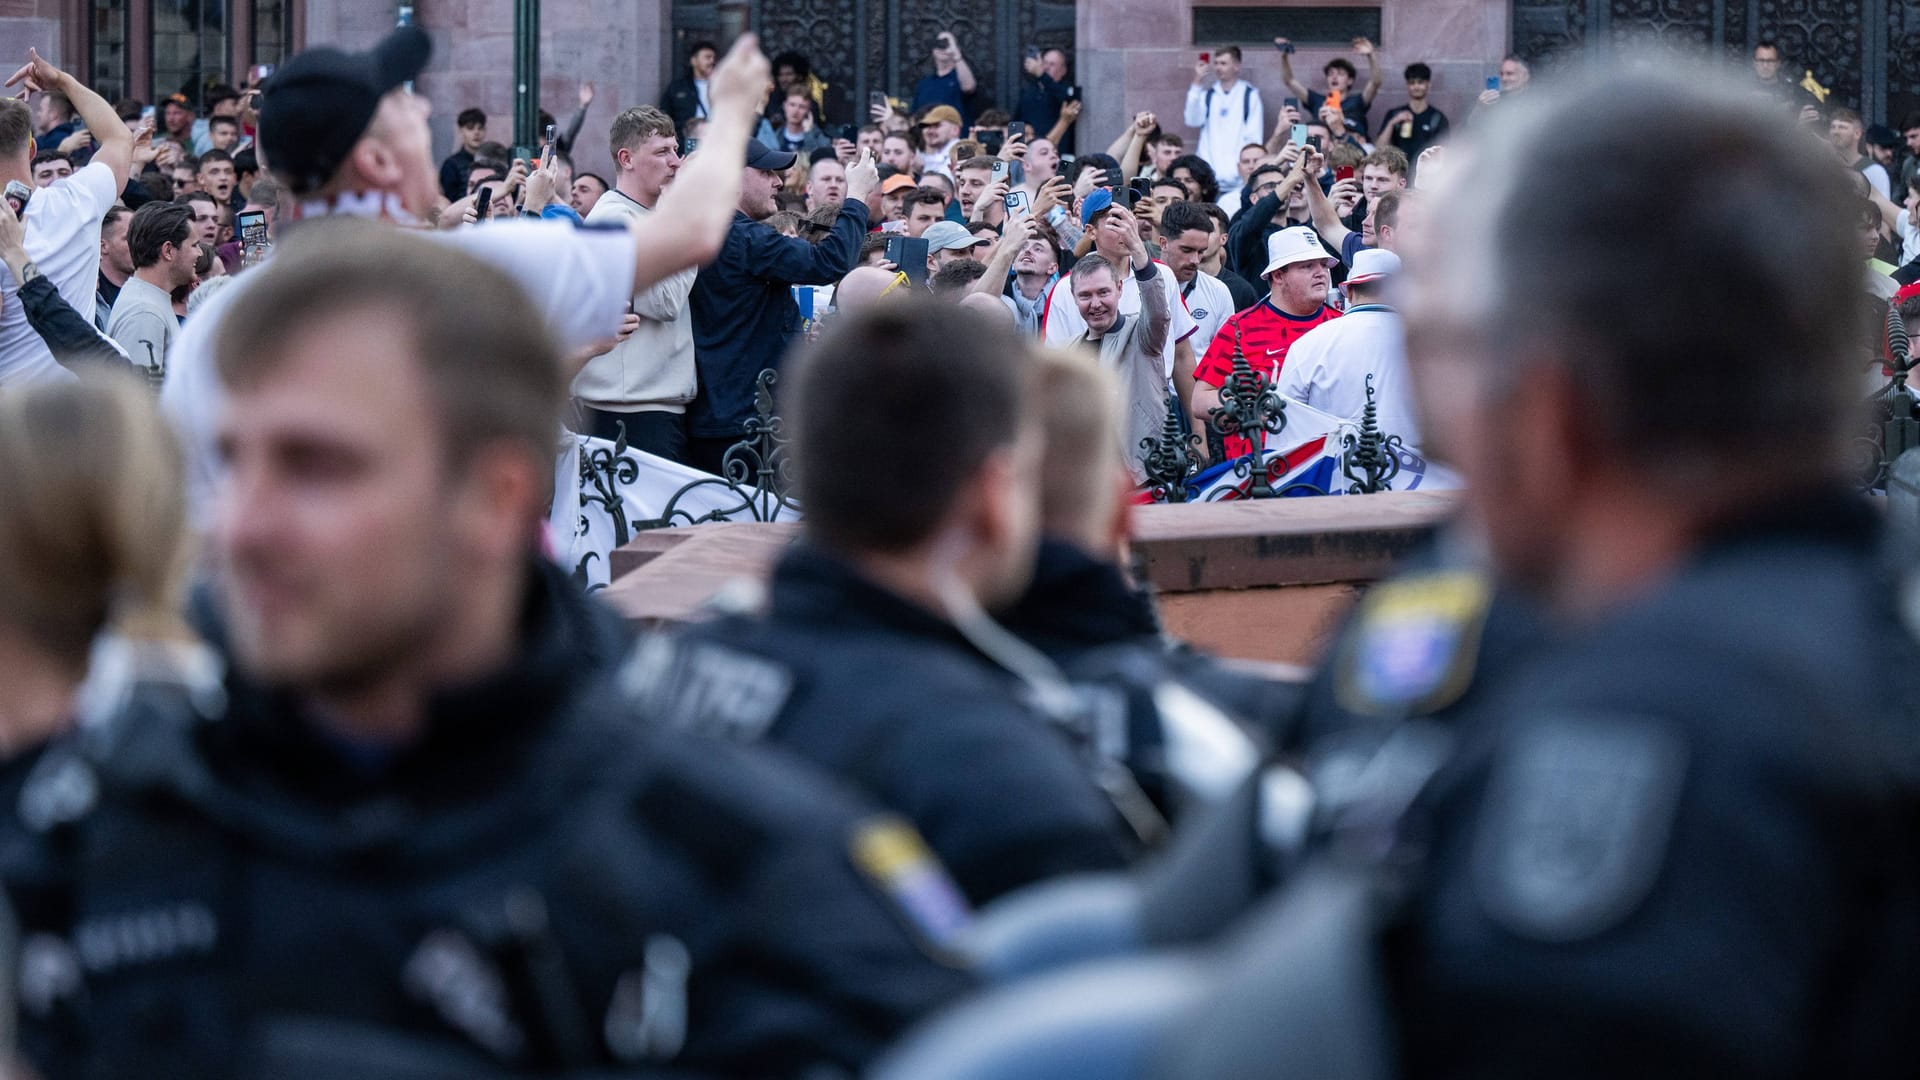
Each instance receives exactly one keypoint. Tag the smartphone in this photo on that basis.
(692, 145)
(252, 225)
(482, 202)
(17, 196)
(1292, 103)
(909, 253)
(1287, 48)
(1000, 171)
(1016, 173)
(1072, 92)
(1493, 82)
(1016, 129)
(1018, 203)
(1318, 143)
(1344, 172)
(851, 133)
(939, 42)
(546, 152)
(1141, 187)
(523, 153)
(260, 72)
(1206, 58)
(1299, 135)
(1033, 52)
(1333, 99)
(878, 100)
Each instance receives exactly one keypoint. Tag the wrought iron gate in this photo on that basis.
(1867, 51)
(858, 46)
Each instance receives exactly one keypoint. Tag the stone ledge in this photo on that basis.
(1186, 552)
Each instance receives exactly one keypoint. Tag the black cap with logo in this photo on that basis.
(316, 107)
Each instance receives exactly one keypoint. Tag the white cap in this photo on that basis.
(1289, 246)
(1373, 264)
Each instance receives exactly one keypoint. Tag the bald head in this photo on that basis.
(987, 305)
(861, 287)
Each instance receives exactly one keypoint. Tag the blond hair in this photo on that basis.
(92, 520)
(1080, 414)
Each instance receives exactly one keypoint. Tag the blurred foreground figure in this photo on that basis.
(1668, 827)
(422, 835)
(1677, 836)
(875, 660)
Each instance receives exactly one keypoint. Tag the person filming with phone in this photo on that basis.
(952, 83)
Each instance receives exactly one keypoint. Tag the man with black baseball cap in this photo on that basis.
(346, 135)
(744, 313)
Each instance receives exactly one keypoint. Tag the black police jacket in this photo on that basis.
(1104, 635)
(539, 883)
(1682, 841)
(891, 697)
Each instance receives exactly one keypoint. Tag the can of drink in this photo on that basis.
(1406, 129)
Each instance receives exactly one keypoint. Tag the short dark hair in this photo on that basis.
(470, 118)
(213, 157)
(114, 213)
(1184, 217)
(1092, 263)
(228, 121)
(1417, 71)
(220, 94)
(1341, 63)
(154, 226)
(1253, 178)
(1386, 211)
(957, 277)
(635, 125)
(962, 381)
(1170, 138)
(128, 108)
(876, 242)
(922, 196)
(246, 161)
(1169, 182)
(596, 178)
(1228, 50)
(976, 163)
(45, 156)
(1912, 121)
(1760, 205)
(199, 196)
(1202, 174)
(489, 362)
(16, 126)
(993, 118)
(823, 153)
(703, 43)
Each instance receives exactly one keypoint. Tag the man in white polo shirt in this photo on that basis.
(62, 220)
(1329, 366)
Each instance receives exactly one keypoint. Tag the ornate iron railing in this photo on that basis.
(1252, 409)
(1895, 427)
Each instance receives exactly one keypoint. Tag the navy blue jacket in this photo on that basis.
(883, 693)
(744, 314)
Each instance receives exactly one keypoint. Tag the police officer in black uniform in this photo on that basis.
(423, 834)
(1674, 835)
(916, 454)
(1183, 720)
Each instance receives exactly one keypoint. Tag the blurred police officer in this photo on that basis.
(1674, 835)
(916, 456)
(424, 836)
(1184, 737)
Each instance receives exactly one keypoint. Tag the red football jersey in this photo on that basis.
(1266, 334)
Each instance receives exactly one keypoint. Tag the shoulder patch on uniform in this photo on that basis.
(1578, 814)
(704, 687)
(890, 854)
(1413, 645)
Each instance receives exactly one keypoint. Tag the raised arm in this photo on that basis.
(1016, 234)
(1326, 219)
(1136, 145)
(115, 141)
(961, 68)
(692, 219)
(1298, 88)
(1365, 48)
(1069, 112)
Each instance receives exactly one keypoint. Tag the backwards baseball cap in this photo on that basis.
(762, 156)
(941, 112)
(1372, 264)
(951, 236)
(1295, 245)
(315, 108)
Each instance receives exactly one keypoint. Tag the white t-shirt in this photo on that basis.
(1328, 368)
(1210, 303)
(1909, 238)
(582, 279)
(1062, 324)
(62, 226)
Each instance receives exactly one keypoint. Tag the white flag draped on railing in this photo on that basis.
(1307, 453)
(583, 526)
